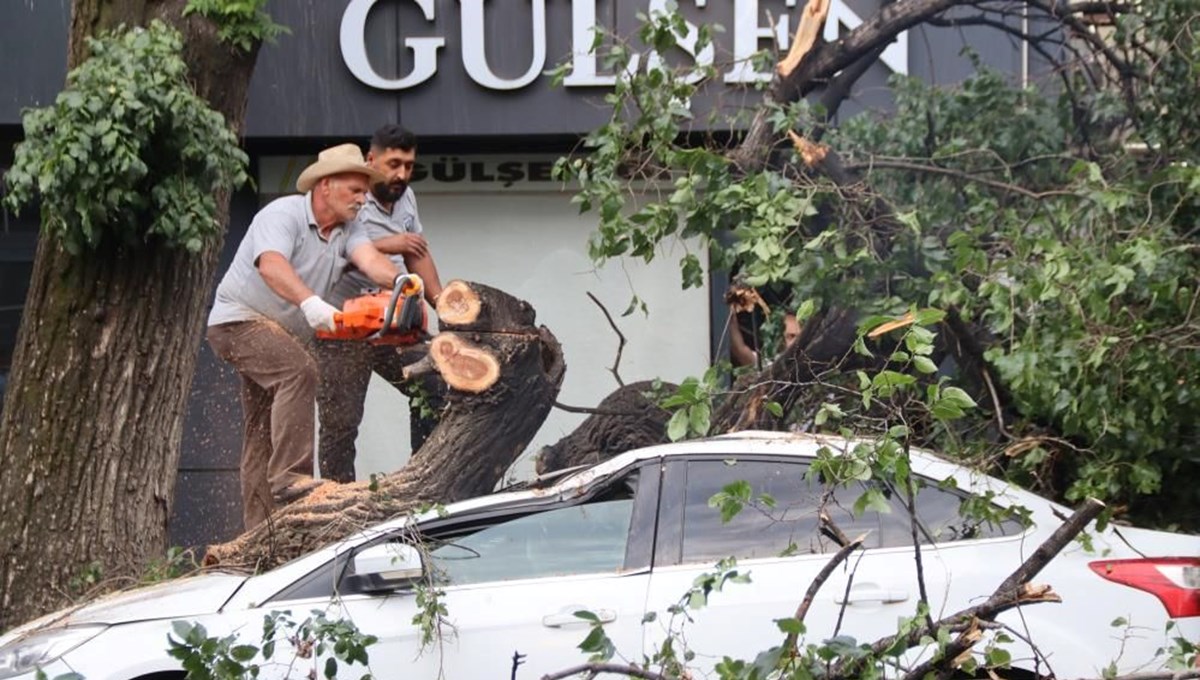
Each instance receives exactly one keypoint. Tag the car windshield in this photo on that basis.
(588, 537)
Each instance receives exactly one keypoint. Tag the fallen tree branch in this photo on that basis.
(812, 24)
(1014, 591)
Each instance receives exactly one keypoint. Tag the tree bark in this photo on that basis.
(824, 345)
(93, 414)
(624, 420)
(477, 437)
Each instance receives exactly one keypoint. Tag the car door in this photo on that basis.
(777, 539)
(511, 581)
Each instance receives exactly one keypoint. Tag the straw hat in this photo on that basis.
(334, 161)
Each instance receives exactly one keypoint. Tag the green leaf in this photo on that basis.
(998, 657)
(677, 427)
(924, 364)
(243, 652)
(958, 397)
(790, 626)
(871, 499)
(699, 418)
(805, 311)
(929, 317)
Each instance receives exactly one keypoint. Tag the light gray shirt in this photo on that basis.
(378, 223)
(286, 226)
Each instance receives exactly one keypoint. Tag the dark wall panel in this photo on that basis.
(301, 88)
(33, 54)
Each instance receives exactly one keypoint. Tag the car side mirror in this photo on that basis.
(384, 568)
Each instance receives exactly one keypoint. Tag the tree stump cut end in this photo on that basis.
(463, 366)
(458, 304)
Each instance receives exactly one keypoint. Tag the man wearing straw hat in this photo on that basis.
(267, 306)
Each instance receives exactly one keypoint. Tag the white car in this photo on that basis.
(630, 536)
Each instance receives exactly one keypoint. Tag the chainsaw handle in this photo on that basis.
(402, 281)
(390, 312)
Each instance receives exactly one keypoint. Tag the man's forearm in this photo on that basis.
(280, 277)
(427, 270)
(375, 265)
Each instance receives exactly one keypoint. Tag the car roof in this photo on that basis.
(742, 443)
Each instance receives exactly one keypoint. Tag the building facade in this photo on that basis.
(469, 78)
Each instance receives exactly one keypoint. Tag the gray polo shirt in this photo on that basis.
(286, 226)
(378, 223)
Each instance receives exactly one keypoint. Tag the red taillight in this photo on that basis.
(1175, 581)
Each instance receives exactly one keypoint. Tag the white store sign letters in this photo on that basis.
(747, 32)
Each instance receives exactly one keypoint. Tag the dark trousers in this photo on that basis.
(345, 368)
(279, 384)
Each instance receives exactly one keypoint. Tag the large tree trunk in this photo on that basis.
(504, 374)
(93, 414)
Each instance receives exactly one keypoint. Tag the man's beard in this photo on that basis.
(389, 193)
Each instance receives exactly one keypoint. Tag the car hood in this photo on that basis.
(179, 598)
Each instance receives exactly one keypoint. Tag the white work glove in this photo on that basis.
(319, 313)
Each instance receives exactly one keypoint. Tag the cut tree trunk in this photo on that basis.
(490, 418)
(93, 414)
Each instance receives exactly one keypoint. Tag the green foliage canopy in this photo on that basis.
(241, 23)
(1059, 223)
(128, 151)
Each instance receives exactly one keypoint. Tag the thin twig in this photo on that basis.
(595, 411)
(620, 336)
(913, 522)
(840, 556)
(958, 174)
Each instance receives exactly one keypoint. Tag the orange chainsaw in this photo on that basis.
(383, 318)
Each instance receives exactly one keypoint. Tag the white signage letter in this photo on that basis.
(895, 55)
(475, 54)
(354, 48)
(746, 35)
(583, 64)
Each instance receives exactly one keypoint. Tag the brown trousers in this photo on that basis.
(279, 385)
(346, 368)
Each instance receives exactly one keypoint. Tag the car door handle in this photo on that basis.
(884, 595)
(566, 616)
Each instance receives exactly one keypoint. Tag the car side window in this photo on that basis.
(585, 538)
(758, 530)
(783, 517)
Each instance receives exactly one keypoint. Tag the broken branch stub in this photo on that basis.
(812, 23)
